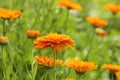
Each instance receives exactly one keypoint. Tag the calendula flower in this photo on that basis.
(9, 13)
(32, 34)
(16, 14)
(55, 41)
(113, 68)
(96, 22)
(45, 61)
(114, 8)
(70, 5)
(118, 74)
(101, 32)
(59, 62)
(68, 79)
(3, 40)
(80, 66)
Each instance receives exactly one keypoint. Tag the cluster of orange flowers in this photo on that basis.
(70, 5)
(9, 13)
(32, 34)
(3, 40)
(54, 41)
(114, 8)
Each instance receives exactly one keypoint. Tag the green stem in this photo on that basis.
(90, 45)
(66, 20)
(112, 24)
(4, 65)
(112, 76)
(54, 55)
(32, 61)
(46, 75)
(4, 28)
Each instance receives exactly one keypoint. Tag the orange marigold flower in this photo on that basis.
(3, 40)
(59, 62)
(45, 61)
(70, 5)
(101, 32)
(113, 68)
(80, 66)
(16, 14)
(118, 74)
(114, 8)
(68, 79)
(32, 34)
(96, 22)
(55, 41)
(9, 13)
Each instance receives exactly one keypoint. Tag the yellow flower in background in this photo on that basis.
(3, 40)
(9, 13)
(45, 61)
(32, 33)
(70, 5)
(96, 22)
(114, 8)
(118, 74)
(101, 32)
(113, 68)
(54, 41)
(80, 66)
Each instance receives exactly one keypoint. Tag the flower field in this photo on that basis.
(60, 40)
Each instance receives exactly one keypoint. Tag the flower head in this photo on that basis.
(45, 61)
(113, 68)
(9, 13)
(3, 40)
(80, 66)
(96, 22)
(101, 32)
(59, 62)
(70, 5)
(113, 8)
(32, 34)
(55, 41)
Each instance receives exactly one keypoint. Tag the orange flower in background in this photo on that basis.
(59, 62)
(70, 5)
(3, 40)
(118, 74)
(68, 79)
(113, 68)
(45, 61)
(101, 32)
(16, 14)
(96, 22)
(114, 8)
(32, 34)
(55, 41)
(9, 13)
(80, 66)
